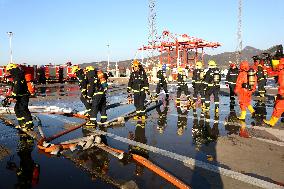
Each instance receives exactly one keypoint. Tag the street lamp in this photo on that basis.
(10, 34)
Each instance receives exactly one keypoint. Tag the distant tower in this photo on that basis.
(152, 37)
(239, 34)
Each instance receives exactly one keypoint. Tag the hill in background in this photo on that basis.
(222, 59)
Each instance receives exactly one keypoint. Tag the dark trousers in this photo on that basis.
(139, 100)
(215, 90)
(232, 92)
(261, 84)
(184, 89)
(87, 105)
(163, 86)
(198, 89)
(22, 111)
(98, 105)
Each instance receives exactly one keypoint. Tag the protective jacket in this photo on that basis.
(160, 76)
(181, 79)
(209, 80)
(19, 85)
(260, 74)
(138, 81)
(94, 85)
(242, 89)
(232, 76)
(197, 77)
(279, 103)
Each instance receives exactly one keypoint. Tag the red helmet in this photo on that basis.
(244, 66)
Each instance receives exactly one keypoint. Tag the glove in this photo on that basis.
(128, 90)
(105, 85)
(89, 99)
(129, 99)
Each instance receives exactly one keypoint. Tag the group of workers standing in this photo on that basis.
(93, 86)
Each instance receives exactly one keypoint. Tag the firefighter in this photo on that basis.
(182, 111)
(182, 86)
(96, 95)
(138, 84)
(60, 75)
(197, 82)
(162, 82)
(162, 121)
(21, 94)
(212, 85)
(83, 87)
(261, 80)
(245, 86)
(279, 103)
(41, 75)
(231, 79)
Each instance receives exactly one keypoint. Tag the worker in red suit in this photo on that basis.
(245, 86)
(279, 103)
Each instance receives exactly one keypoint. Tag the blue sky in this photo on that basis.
(58, 31)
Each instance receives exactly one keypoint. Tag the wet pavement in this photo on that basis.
(185, 132)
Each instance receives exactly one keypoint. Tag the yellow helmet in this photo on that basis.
(198, 65)
(75, 69)
(212, 64)
(180, 69)
(159, 66)
(11, 66)
(135, 63)
(89, 68)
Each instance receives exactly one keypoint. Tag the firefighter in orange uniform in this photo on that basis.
(279, 104)
(245, 86)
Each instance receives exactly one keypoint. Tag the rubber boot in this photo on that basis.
(136, 117)
(177, 102)
(21, 124)
(244, 133)
(272, 121)
(252, 111)
(217, 110)
(243, 115)
(91, 124)
(28, 126)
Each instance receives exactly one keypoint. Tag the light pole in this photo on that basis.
(10, 34)
(108, 57)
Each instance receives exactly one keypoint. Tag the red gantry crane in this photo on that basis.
(177, 47)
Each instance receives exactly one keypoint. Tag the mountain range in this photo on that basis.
(221, 59)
